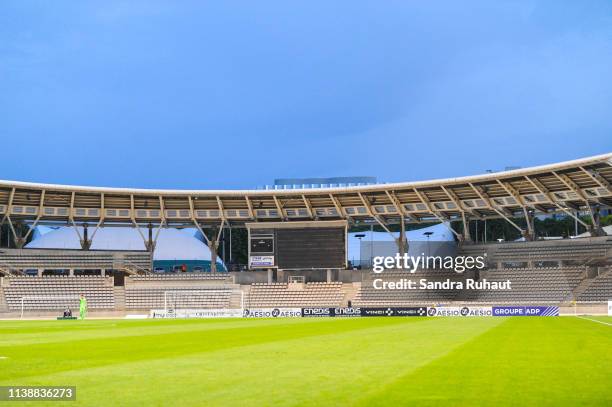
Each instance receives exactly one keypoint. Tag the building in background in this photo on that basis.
(307, 183)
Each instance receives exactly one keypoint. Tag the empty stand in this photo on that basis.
(578, 250)
(294, 295)
(56, 259)
(181, 290)
(165, 277)
(553, 285)
(599, 290)
(58, 292)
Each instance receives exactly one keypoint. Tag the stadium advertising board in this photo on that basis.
(610, 308)
(343, 312)
(394, 312)
(272, 313)
(340, 312)
(459, 311)
(525, 311)
(196, 313)
(262, 261)
(317, 312)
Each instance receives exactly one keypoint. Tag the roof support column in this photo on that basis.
(467, 237)
(71, 219)
(9, 207)
(213, 245)
(402, 241)
(595, 227)
(85, 242)
(529, 234)
(18, 239)
(150, 242)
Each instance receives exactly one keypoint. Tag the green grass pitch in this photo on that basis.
(315, 362)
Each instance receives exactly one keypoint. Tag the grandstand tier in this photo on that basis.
(18, 260)
(559, 251)
(57, 292)
(599, 290)
(532, 285)
(292, 295)
(184, 290)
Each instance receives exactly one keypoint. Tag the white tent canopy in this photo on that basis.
(172, 244)
(439, 233)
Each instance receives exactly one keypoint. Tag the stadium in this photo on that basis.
(320, 203)
(147, 262)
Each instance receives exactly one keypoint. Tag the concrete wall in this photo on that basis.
(282, 276)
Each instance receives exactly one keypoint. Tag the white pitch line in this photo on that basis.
(594, 320)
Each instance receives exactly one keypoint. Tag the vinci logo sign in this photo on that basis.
(535, 311)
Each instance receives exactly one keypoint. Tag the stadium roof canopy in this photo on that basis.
(567, 187)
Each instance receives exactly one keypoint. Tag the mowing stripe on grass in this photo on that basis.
(526, 361)
(334, 368)
(594, 320)
(41, 358)
(339, 362)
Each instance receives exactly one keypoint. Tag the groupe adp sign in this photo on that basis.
(525, 311)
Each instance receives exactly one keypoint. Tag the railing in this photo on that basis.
(130, 267)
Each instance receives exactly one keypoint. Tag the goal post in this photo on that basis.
(202, 299)
(193, 299)
(50, 302)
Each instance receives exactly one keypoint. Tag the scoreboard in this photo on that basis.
(298, 245)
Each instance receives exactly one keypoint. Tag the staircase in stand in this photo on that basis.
(236, 298)
(349, 291)
(3, 305)
(119, 293)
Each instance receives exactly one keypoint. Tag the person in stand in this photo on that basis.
(83, 306)
(67, 312)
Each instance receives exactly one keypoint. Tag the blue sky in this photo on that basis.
(232, 94)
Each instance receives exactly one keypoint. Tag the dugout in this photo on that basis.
(311, 245)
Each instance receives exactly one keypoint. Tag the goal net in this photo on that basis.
(49, 302)
(201, 298)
